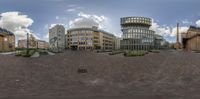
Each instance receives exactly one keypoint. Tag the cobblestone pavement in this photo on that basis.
(166, 75)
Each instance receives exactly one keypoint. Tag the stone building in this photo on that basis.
(7, 41)
(57, 38)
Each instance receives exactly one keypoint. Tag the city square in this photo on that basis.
(166, 74)
(99, 49)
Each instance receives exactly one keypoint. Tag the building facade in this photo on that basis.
(136, 33)
(117, 43)
(57, 38)
(7, 41)
(23, 44)
(40, 44)
(89, 39)
(191, 39)
(159, 42)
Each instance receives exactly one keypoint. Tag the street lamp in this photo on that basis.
(27, 44)
(37, 45)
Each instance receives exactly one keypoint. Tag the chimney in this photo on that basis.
(177, 37)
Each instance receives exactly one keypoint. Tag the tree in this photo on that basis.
(32, 41)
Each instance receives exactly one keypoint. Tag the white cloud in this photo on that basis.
(61, 18)
(88, 20)
(71, 5)
(54, 24)
(57, 17)
(161, 30)
(181, 29)
(167, 31)
(198, 23)
(71, 10)
(170, 31)
(186, 22)
(74, 8)
(16, 23)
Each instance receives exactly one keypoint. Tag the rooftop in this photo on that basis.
(194, 27)
(5, 31)
(91, 29)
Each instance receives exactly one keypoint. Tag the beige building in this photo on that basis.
(40, 44)
(23, 44)
(89, 39)
(7, 40)
(191, 39)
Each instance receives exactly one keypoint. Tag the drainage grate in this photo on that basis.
(82, 69)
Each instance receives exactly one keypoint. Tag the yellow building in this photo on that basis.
(7, 41)
(89, 39)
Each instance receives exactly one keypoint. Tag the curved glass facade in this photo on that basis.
(136, 33)
(136, 20)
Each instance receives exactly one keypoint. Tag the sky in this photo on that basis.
(37, 16)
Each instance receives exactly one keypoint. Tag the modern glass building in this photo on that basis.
(136, 33)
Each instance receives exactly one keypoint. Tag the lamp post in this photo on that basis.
(27, 45)
(37, 45)
(57, 46)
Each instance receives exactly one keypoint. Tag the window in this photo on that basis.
(5, 39)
